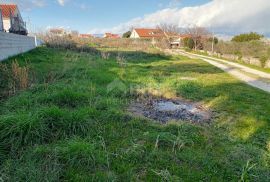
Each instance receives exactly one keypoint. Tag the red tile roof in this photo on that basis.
(7, 9)
(85, 35)
(185, 36)
(110, 35)
(150, 33)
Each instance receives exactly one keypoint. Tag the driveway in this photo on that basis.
(252, 77)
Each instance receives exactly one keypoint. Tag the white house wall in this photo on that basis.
(134, 35)
(6, 23)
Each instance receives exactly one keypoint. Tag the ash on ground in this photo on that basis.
(164, 110)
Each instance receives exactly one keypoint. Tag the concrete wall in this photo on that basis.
(12, 44)
(252, 61)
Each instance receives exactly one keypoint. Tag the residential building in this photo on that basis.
(58, 32)
(147, 33)
(111, 36)
(177, 40)
(173, 38)
(12, 19)
(85, 36)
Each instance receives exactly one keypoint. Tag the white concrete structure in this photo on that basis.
(13, 44)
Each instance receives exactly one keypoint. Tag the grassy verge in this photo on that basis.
(266, 70)
(70, 126)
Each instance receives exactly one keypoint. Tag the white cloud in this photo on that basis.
(62, 2)
(220, 15)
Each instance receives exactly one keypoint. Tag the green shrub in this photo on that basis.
(268, 52)
(189, 43)
(238, 54)
(127, 34)
(247, 37)
(263, 60)
(215, 40)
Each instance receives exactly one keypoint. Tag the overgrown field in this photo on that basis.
(68, 120)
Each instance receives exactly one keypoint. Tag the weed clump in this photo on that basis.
(46, 125)
(67, 98)
(13, 78)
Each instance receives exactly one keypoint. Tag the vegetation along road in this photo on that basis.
(250, 76)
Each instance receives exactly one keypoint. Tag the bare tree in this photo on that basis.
(169, 28)
(171, 32)
(199, 35)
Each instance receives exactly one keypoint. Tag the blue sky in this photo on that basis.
(117, 16)
(84, 15)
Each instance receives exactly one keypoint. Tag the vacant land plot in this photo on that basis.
(71, 121)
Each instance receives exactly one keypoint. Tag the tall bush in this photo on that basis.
(127, 34)
(189, 43)
(247, 37)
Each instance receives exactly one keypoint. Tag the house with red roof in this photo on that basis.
(58, 32)
(147, 33)
(111, 36)
(174, 38)
(85, 36)
(11, 19)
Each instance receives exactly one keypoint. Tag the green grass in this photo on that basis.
(68, 127)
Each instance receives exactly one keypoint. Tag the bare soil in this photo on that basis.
(164, 110)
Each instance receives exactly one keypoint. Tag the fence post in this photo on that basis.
(36, 44)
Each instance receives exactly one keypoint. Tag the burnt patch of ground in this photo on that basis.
(164, 110)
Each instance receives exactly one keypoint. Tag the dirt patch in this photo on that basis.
(164, 110)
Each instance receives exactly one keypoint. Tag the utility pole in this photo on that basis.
(213, 42)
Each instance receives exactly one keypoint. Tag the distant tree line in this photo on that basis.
(247, 37)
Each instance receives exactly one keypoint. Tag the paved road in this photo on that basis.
(243, 73)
